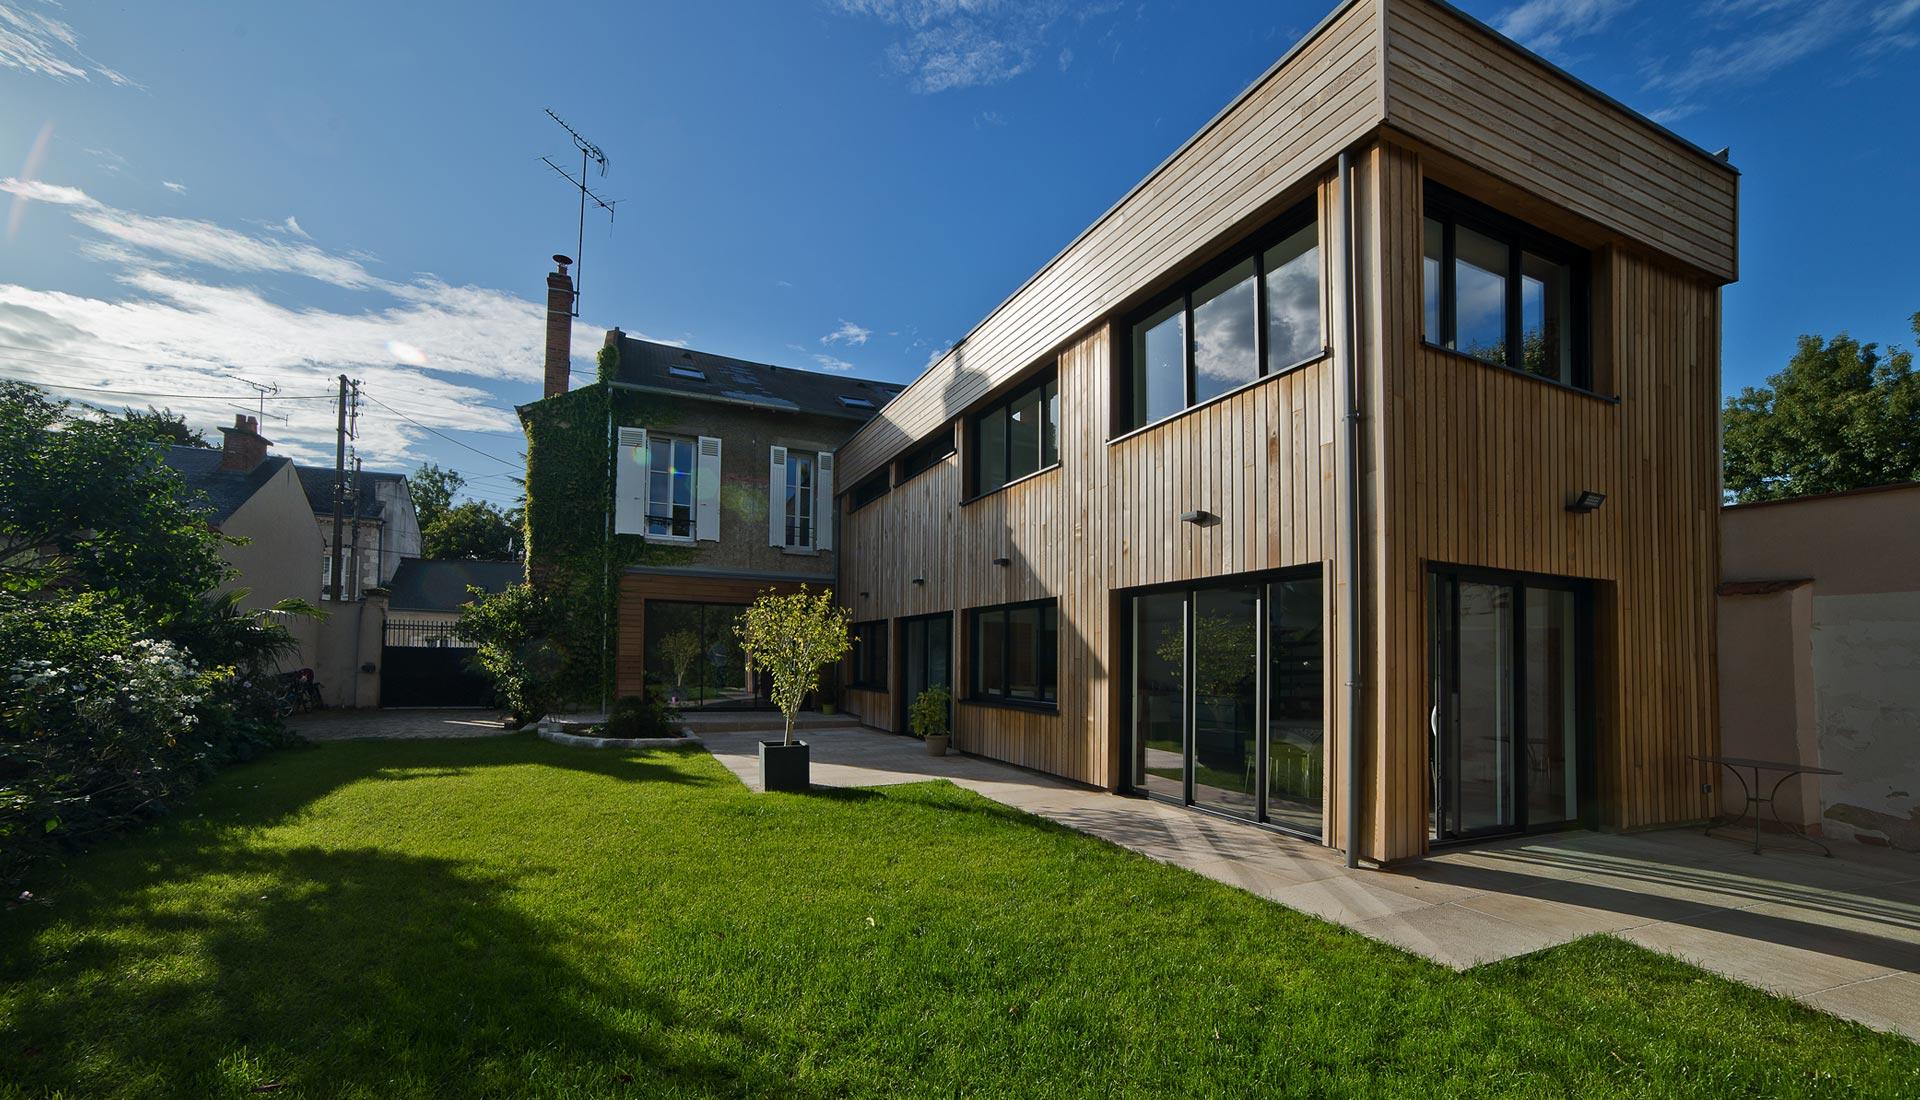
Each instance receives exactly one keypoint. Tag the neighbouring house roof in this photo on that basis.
(423, 584)
(665, 368)
(226, 490)
(1762, 588)
(318, 483)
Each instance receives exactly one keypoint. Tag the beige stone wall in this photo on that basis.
(280, 557)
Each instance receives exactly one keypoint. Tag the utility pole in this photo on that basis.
(339, 493)
(353, 555)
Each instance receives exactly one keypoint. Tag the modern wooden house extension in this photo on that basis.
(1357, 473)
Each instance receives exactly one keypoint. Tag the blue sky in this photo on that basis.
(202, 192)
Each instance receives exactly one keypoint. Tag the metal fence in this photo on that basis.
(425, 634)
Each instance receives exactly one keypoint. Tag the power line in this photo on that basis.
(442, 435)
(62, 386)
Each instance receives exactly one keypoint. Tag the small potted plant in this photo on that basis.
(789, 639)
(927, 718)
(829, 694)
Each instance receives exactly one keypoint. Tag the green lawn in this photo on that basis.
(508, 917)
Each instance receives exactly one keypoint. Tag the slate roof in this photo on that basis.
(318, 482)
(226, 490)
(741, 381)
(422, 584)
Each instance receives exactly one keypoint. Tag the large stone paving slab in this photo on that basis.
(1841, 934)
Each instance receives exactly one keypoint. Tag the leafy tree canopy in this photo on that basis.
(1840, 416)
(86, 503)
(790, 639)
(163, 426)
(472, 529)
(433, 488)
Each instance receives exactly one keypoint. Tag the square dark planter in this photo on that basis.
(783, 767)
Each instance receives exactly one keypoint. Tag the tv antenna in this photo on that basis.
(589, 152)
(265, 391)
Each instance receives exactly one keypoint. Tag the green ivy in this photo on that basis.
(569, 499)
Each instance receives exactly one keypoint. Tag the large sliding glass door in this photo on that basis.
(1226, 684)
(1507, 677)
(926, 660)
(693, 658)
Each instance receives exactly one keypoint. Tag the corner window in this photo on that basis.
(1254, 313)
(670, 466)
(1503, 292)
(799, 510)
(869, 656)
(1015, 653)
(926, 456)
(1017, 435)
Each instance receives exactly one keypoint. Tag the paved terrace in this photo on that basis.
(1840, 934)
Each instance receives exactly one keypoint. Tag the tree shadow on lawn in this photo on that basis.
(339, 970)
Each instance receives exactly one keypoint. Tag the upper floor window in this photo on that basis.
(800, 499)
(1017, 435)
(1503, 292)
(1015, 654)
(869, 655)
(1253, 313)
(930, 453)
(670, 483)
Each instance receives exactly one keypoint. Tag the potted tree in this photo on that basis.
(789, 639)
(927, 718)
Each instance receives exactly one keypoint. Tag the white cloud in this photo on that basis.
(292, 226)
(828, 362)
(422, 345)
(1890, 17)
(33, 42)
(176, 188)
(948, 44)
(1548, 24)
(1769, 35)
(848, 333)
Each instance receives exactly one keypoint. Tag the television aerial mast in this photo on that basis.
(589, 152)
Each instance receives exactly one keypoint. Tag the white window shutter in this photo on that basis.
(777, 498)
(706, 491)
(630, 482)
(823, 502)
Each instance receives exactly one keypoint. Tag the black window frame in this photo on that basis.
(868, 657)
(1046, 672)
(1252, 248)
(1453, 210)
(868, 490)
(1003, 405)
(926, 454)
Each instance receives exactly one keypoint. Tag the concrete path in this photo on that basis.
(1840, 934)
(341, 724)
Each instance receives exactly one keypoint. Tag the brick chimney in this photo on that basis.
(243, 447)
(559, 326)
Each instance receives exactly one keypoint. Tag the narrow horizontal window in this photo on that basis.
(692, 373)
(930, 453)
(870, 489)
(1257, 311)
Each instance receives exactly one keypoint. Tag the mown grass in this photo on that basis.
(508, 917)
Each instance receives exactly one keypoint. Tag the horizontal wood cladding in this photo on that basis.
(1473, 465)
(630, 659)
(1477, 97)
(1298, 116)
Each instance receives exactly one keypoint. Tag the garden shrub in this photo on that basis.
(643, 716)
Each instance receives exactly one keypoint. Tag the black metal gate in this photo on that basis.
(424, 663)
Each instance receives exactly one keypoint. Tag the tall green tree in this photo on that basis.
(163, 426)
(86, 504)
(1840, 416)
(472, 529)
(433, 489)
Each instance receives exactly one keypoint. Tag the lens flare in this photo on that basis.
(406, 353)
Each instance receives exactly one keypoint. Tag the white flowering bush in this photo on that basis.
(97, 723)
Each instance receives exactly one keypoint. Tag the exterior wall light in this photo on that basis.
(1199, 517)
(1586, 500)
(919, 580)
(1002, 561)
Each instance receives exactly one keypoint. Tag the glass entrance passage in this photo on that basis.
(1225, 698)
(694, 659)
(1507, 675)
(926, 660)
